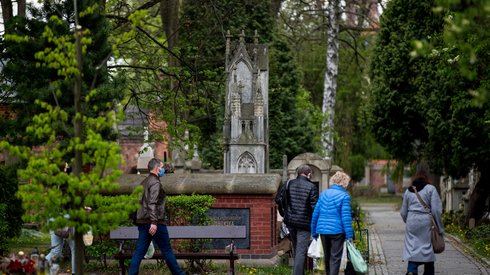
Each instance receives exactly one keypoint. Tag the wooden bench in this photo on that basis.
(125, 233)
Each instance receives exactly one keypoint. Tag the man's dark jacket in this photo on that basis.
(152, 208)
(303, 195)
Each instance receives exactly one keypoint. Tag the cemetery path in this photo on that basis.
(386, 235)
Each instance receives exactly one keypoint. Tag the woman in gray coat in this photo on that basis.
(418, 247)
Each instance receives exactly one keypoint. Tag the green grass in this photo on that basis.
(30, 239)
(478, 238)
(381, 198)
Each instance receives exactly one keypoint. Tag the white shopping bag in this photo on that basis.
(343, 262)
(315, 249)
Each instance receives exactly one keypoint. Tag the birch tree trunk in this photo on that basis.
(330, 82)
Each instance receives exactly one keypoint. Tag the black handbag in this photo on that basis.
(282, 198)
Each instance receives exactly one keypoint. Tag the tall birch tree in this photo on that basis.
(330, 81)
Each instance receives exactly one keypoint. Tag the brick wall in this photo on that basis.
(263, 228)
(130, 152)
(377, 179)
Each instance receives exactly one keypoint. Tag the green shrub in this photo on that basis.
(190, 210)
(364, 191)
(478, 238)
(10, 207)
(101, 250)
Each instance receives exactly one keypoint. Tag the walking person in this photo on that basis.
(418, 222)
(332, 220)
(58, 238)
(57, 243)
(303, 195)
(150, 219)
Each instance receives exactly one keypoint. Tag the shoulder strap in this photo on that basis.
(287, 184)
(287, 191)
(420, 199)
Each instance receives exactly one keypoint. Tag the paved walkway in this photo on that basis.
(386, 234)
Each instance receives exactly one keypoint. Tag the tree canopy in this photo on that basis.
(423, 108)
(68, 111)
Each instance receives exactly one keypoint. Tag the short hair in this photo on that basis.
(340, 178)
(153, 163)
(303, 169)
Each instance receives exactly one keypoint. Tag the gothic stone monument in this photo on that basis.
(244, 193)
(245, 130)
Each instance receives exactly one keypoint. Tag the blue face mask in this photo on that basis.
(162, 172)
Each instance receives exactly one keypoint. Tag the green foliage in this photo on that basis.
(401, 84)
(4, 229)
(10, 207)
(305, 32)
(464, 30)
(52, 193)
(101, 250)
(478, 238)
(422, 100)
(281, 269)
(187, 210)
(294, 120)
(29, 239)
(40, 54)
(354, 141)
(49, 192)
(191, 210)
(291, 117)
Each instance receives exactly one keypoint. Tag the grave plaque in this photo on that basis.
(231, 216)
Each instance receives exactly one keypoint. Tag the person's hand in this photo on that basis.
(352, 242)
(153, 229)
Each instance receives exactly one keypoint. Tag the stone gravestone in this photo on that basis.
(246, 130)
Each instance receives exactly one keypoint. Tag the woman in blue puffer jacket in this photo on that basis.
(332, 220)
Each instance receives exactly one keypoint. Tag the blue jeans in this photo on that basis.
(414, 266)
(301, 240)
(162, 240)
(57, 249)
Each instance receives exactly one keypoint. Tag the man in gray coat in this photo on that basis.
(303, 195)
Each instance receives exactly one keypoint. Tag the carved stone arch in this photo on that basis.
(244, 60)
(247, 163)
(320, 168)
(243, 70)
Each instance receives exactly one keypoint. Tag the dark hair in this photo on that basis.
(303, 169)
(422, 173)
(153, 163)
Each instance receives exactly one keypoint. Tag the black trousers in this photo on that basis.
(333, 245)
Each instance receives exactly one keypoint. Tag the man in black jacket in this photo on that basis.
(303, 195)
(151, 220)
